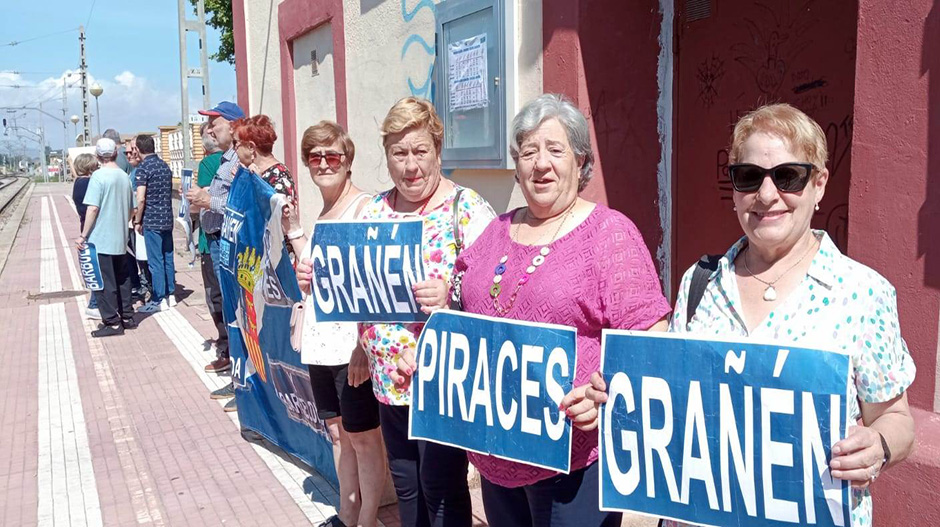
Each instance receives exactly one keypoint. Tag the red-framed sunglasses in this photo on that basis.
(333, 159)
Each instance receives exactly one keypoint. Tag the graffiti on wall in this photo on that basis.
(774, 41)
(424, 89)
(709, 75)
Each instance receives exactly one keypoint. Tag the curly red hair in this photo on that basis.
(259, 130)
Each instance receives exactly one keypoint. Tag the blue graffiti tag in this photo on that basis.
(424, 90)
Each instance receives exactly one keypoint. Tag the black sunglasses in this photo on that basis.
(787, 177)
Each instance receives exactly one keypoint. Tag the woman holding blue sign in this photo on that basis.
(430, 479)
(563, 260)
(339, 371)
(785, 282)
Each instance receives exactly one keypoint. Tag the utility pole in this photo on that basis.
(63, 171)
(86, 132)
(197, 26)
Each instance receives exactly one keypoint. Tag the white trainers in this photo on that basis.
(172, 300)
(154, 307)
(93, 313)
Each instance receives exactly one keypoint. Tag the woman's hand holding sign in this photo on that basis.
(858, 458)
(582, 404)
(304, 271)
(431, 294)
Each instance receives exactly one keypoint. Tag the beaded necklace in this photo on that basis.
(537, 261)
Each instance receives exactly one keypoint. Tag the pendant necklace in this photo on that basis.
(537, 261)
(770, 293)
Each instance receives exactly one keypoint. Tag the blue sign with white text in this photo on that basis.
(493, 386)
(729, 433)
(364, 270)
(90, 268)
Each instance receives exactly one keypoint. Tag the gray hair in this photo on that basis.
(113, 135)
(554, 106)
(208, 142)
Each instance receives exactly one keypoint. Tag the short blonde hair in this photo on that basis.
(413, 112)
(802, 134)
(85, 164)
(326, 133)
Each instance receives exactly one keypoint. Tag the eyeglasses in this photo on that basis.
(787, 177)
(333, 159)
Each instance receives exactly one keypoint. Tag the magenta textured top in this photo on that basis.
(600, 275)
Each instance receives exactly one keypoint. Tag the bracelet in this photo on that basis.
(294, 234)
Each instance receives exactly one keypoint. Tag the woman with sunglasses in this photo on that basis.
(785, 282)
(339, 370)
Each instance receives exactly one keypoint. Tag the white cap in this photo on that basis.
(105, 147)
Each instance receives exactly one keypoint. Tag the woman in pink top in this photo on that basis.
(562, 260)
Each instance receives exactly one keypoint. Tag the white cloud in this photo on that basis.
(129, 104)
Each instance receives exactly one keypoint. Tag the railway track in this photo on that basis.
(11, 189)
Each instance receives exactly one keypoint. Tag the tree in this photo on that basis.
(219, 16)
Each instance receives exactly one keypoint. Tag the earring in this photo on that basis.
(734, 208)
(817, 206)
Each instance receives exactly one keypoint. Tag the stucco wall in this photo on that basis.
(315, 100)
(894, 217)
(263, 65)
(389, 55)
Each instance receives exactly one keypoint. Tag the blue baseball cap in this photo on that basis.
(229, 110)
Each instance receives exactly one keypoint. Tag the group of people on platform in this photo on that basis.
(122, 193)
(559, 259)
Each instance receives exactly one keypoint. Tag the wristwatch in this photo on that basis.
(887, 451)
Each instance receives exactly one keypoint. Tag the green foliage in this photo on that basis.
(219, 16)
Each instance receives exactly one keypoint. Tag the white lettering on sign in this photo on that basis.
(340, 286)
(445, 358)
(737, 449)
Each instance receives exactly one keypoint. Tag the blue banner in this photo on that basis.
(493, 386)
(90, 268)
(260, 296)
(722, 433)
(364, 270)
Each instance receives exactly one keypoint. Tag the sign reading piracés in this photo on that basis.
(731, 433)
(493, 386)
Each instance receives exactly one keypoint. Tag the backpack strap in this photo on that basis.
(458, 239)
(704, 268)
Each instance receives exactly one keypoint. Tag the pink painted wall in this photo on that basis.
(603, 54)
(894, 216)
(894, 200)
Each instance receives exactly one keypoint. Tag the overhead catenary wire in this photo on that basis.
(18, 42)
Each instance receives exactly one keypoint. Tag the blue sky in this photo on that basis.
(132, 50)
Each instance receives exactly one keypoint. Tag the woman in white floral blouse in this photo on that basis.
(785, 282)
(430, 479)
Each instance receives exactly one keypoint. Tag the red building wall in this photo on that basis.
(604, 54)
(894, 216)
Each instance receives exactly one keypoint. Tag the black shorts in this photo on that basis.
(336, 398)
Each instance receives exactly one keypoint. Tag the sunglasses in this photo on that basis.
(333, 159)
(787, 177)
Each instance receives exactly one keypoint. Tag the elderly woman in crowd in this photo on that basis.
(254, 139)
(430, 479)
(785, 282)
(339, 370)
(564, 260)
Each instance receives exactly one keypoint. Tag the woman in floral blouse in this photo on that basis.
(430, 479)
(785, 282)
(254, 143)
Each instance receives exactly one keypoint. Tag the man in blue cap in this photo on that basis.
(212, 202)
